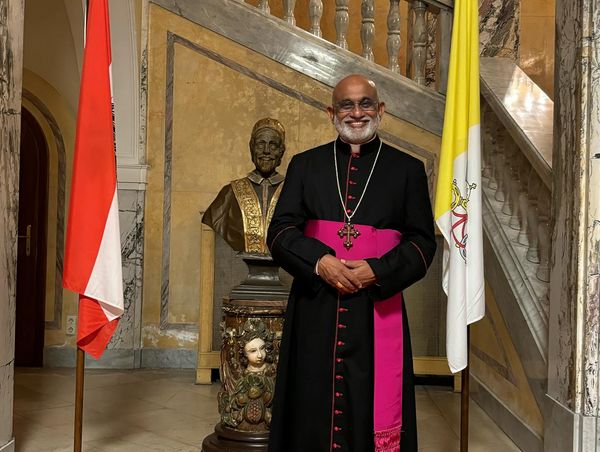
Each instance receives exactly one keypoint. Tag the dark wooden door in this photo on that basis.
(31, 264)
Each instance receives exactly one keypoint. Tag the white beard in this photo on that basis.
(357, 136)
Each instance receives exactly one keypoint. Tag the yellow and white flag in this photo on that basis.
(458, 193)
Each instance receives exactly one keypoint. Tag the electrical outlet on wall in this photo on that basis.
(71, 327)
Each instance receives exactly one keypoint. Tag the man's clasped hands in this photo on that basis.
(346, 276)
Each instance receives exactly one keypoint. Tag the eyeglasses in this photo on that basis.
(346, 106)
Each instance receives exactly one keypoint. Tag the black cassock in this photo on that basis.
(305, 419)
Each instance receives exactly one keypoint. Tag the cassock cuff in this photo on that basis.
(377, 267)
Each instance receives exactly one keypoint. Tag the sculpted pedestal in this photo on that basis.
(251, 331)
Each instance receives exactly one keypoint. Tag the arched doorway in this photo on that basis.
(31, 253)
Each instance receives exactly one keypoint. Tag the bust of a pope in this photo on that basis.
(243, 209)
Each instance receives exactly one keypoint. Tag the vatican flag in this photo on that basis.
(458, 192)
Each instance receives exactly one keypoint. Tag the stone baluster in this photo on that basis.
(544, 244)
(533, 188)
(419, 42)
(315, 12)
(288, 11)
(263, 5)
(367, 28)
(393, 39)
(444, 41)
(509, 152)
(515, 164)
(499, 163)
(493, 153)
(342, 18)
(486, 142)
(523, 201)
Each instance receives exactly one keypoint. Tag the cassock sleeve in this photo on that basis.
(408, 262)
(296, 254)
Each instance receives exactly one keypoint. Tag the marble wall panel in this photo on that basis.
(499, 28)
(567, 239)
(573, 368)
(11, 66)
(131, 219)
(6, 403)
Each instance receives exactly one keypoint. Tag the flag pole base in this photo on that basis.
(79, 377)
(464, 400)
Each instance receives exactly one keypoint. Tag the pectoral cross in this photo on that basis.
(347, 232)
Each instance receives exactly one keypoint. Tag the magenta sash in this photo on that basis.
(387, 316)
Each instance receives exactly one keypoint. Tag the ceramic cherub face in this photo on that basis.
(256, 353)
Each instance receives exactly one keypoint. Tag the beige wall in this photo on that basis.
(214, 109)
(52, 45)
(536, 51)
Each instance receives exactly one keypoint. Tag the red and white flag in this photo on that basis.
(93, 249)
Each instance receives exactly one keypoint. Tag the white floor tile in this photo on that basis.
(163, 410)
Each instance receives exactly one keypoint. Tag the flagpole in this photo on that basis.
(464, 400)
(80, 370)
(80, 373)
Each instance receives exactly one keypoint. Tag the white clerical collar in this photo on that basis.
(356, 149)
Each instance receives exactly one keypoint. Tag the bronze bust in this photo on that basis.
(243, 209)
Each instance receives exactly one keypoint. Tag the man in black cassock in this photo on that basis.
(354, 227)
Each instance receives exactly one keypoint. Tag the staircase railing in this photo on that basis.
(517, 184)
(425, 55)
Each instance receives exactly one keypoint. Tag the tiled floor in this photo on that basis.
(162, 410)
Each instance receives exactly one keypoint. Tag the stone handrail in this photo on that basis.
(428, 34)
(516, 119)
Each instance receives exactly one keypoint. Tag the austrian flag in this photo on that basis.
(93, 249)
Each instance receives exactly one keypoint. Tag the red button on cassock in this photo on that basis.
(340, 343)
(339, 394)
(341, 327)
(337, 429)
(338, 412)
(351, 182)
(343, 310)
(353, 168)
(339, 377)
(339, 360)
(336, 446)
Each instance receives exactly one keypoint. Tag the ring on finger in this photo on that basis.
(339, 285)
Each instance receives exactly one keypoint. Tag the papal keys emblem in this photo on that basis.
(460, 216)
